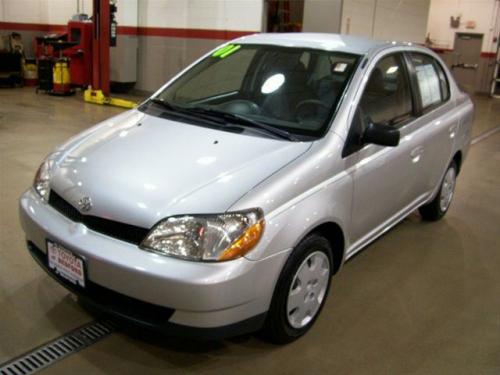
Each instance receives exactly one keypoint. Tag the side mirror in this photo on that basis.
(383, 135)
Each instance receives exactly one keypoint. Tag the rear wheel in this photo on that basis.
(301, 291)
(438, 207)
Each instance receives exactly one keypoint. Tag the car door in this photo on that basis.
(437, 124)
(385, 178)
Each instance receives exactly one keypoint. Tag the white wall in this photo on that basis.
(60, 11)
(322, 16)
(357, 17)
(53, 12)
(484, 12)
(244, 15)
(127, 14)
(404, 20)
(24, 11)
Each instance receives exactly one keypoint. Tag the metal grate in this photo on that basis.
(54, 351)
(115, 229)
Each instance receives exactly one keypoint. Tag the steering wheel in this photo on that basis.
(308, 109)
(241, 106)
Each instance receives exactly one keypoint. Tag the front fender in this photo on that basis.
(288, 224)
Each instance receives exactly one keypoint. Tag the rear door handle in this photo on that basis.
(453, 130)
(416, 153)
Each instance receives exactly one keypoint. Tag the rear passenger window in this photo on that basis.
(387, 96)
(432, 81)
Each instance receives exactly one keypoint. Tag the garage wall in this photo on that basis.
(41, 11)
(404, 20)
(32, 18)
(204, 14)
(322, 16)
(168, 34)
(173, 33)
(485, 14)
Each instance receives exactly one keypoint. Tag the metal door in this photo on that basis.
(385, 178)
(467, 53)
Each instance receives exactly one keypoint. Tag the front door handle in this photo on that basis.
(416, 154)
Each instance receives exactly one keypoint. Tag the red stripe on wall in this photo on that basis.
(441, 50)
(32, 27)
(486, 55)
(168, 32)
(489, 55)
(129, 30)
(183, 33)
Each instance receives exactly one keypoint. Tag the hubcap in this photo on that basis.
(308, 289)
(447, 189)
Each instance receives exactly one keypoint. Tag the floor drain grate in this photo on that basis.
(55, 350)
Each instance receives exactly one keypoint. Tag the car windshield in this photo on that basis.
(295, 90)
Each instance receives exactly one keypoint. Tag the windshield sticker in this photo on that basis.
(226, 51)
(230, 52)
(221, 50)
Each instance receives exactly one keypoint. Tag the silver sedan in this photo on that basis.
(226, 202)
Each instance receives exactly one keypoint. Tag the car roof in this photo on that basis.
(329, 42)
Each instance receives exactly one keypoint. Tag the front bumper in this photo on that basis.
(213, 299)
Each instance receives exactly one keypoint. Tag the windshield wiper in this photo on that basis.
(164, 104)
(243, 120)
(184, 113)
(221, 118)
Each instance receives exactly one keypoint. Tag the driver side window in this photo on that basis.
(387, 96)
(386, 100)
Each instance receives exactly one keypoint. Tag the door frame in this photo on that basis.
(456, 56)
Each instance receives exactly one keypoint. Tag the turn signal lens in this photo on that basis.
(244, 243)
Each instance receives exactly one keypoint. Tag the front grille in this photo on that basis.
(115, 229)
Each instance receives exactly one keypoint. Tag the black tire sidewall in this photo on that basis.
(277, 325)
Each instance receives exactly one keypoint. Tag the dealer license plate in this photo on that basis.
(66, 264)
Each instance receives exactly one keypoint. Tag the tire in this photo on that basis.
(312, 252)
(438, 207)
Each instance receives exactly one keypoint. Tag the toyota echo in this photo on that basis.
(225, 202)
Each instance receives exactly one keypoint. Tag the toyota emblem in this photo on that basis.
(85, 204)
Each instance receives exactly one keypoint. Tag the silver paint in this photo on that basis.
(142, 174)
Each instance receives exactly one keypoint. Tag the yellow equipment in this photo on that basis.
(61, 78)
(98, 97)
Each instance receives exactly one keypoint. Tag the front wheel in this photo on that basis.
(301, 291)
(436, 209)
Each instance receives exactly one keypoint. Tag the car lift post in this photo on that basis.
(98, 93)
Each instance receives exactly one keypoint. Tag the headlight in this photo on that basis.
(207, 237)
(42, 179)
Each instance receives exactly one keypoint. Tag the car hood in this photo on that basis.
(139, 169)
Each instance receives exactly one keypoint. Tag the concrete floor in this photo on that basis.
(424, 299)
